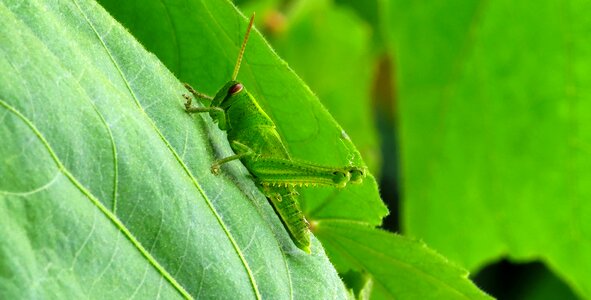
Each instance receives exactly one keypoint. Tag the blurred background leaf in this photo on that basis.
(495, 134)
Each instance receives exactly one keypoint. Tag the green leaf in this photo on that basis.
(401, 268)
(495, 127)
(370, 11)
(203, 52)
(105, 187)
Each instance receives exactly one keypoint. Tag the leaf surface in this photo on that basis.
(106, 188)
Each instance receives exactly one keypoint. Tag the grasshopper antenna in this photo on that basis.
(239, 61)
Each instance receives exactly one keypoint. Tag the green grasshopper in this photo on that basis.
(257, 144)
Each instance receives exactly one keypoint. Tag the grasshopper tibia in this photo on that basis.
(196, 93)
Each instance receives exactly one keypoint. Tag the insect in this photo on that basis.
(257, 144)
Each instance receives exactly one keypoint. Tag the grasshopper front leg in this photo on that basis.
(242, 151)
(196, 93)
(216, 113)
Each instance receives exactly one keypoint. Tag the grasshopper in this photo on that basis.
(257, 144)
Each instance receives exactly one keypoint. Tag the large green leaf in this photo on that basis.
(105, 187)
(495, 127)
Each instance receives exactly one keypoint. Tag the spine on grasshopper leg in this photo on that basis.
(285, 203)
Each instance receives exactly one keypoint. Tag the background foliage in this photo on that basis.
(493, 110)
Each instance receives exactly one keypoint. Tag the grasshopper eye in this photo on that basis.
(235, 89)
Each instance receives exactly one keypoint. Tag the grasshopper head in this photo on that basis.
(226, 95)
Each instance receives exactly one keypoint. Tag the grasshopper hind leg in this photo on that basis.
(286, 205)
(271, 171)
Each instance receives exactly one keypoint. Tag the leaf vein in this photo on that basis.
(110, 215)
